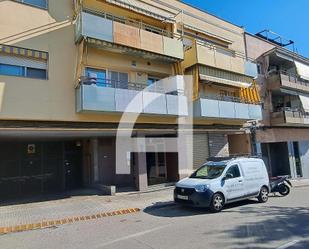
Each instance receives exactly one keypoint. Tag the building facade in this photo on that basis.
(284, 86)
(69, 70)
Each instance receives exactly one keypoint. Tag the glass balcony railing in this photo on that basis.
(109, 83)
(128, 33)
(226, 107)
(106, 95)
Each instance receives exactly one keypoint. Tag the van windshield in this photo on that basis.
(209, 171)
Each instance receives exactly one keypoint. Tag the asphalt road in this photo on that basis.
(283, 222)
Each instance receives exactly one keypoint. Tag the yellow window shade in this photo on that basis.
(23, 52)
(251, 94)
(195, 83)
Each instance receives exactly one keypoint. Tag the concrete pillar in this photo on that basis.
(95, 160)
(185, 154)
(142, 181)
(292, 160)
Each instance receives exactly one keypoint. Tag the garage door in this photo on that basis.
(30, 168)
(200, 149)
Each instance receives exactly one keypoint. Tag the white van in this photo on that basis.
(219, 182)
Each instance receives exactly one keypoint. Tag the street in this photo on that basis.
(283, 222)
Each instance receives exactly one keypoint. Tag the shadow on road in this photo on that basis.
(258, 225)
(273, 223)
(170, 209)
(51, 197)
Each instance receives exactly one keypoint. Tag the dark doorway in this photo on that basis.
(299, 171)
(72, 165)
(156, 168)
(280, 164)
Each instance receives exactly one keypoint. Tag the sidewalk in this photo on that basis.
(300, 183)
(75, 206)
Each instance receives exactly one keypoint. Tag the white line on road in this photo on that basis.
(289, 244)
(132, 236)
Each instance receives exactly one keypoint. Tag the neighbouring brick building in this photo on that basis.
(284, 87)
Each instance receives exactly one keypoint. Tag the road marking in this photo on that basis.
(67, 220)
(289, 244)
(132, 236)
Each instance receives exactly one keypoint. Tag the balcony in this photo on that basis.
(127, 35)
(120, 97)
(283, 79)
(289, 117)
(231, 108)
(214, 56)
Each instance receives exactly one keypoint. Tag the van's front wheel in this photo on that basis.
(263, 195)
(217, 203)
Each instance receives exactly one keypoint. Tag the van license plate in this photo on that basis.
(182, 197)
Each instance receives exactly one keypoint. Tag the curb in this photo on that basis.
(69, 220)
(301, 186)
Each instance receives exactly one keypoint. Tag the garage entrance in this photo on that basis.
(32, 168)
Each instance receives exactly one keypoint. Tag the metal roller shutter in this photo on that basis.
(22, 61)
(200, 149)
(218, 144)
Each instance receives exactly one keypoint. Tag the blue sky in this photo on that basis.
(289, 18)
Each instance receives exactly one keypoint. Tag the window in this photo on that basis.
(259, 68)
(105, 78)
(23, 62)
(118, 79)
(12, 70)
(151, 80)
(36, 73)
(209, 171)
(37, 3)
(22, 71)
(96, 76)
(234, 170)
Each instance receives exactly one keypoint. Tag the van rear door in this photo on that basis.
(253, 176)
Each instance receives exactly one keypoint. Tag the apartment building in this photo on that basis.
(70, 70)
(284, 86)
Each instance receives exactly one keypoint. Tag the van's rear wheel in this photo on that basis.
(263, 195)
(217, 203)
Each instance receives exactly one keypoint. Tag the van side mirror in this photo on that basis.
(228, 176)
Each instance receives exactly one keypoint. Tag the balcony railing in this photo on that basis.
(286, 79)
(130, 33)
(289, 116)
(132, 22)
(105, 95)
(214, 56)
(294, 78)
(226, 108)
(225, 98)
(104, 82)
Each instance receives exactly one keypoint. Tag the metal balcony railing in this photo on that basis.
(292, 112)
(225, 98)
(104, 82)
(291, 77)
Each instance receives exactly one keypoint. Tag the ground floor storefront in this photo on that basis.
(49, 160)
(285, 151)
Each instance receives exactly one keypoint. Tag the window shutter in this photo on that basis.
(23, 61)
